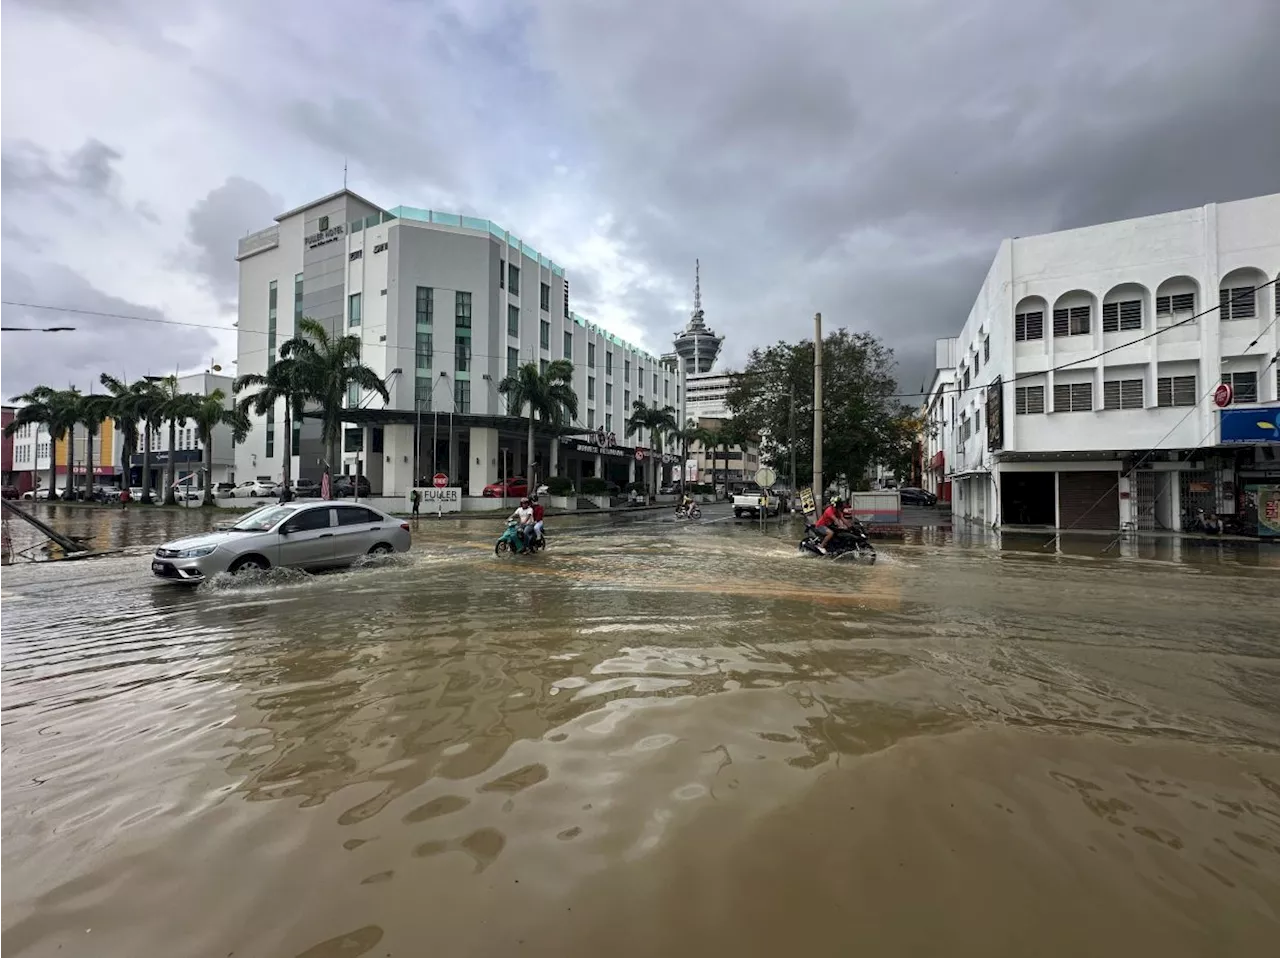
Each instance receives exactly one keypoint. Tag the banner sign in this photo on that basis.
(1254, 425)
(806, 502)
(995, 416)
(440, 500)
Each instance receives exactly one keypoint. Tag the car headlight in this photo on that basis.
(197, 552)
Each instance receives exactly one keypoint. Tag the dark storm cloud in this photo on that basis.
(98, 343)
(215, 225)
(802, 150)
(26, 168)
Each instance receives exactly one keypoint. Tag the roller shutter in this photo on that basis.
(1088, 500)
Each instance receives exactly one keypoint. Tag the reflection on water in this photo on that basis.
(651, 740)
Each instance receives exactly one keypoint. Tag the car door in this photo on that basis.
(307, 539)
(359, 530)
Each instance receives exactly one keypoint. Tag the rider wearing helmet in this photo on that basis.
(831, 520)
(523, 517)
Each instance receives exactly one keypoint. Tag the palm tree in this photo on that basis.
(39, 406)
(92, 410)
(695, 434)
(151, 411)
(176, 407)
(659, 421)
(209, 413)
(548, 395)
(126, 401)
(327, 367)
(278, 384)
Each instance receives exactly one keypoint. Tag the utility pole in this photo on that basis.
(793, 441)
(817, 411)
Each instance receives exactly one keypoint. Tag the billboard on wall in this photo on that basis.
(995, 416)
(1257, 424)
(1265, 502)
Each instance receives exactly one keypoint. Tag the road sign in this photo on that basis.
(440, 480)
(1223, 395)
(639, 454)
(765, 477)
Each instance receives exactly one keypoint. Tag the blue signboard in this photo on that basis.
(1257, 424)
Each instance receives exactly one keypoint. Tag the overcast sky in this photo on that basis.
(859, 158)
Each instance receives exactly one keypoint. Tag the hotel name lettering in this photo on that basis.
(332, 234)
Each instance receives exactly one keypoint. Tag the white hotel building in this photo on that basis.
(445, 307)
(1082, 393)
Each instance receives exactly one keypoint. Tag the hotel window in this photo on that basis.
(462, 395)
(271, 431)
(626, 370)
(462, 353)
(1073, 397)
(502, 273)
(462, 310)
(591, 419)
(422, 306)
(513, 320)
(591, 389)
(608, 362)
(513, 360)
(1176, 391)
(608, 394)
(353, 309)
(986, 349)
(608, 422)
(422, 394)
(1028, 326)
(422, 351)
(353, 396)
(1073, 321)
(591, 355)
(1122, 394)
(1117, 317)
(513, 279)
(297, 300)
(544, 335)
(272, 300)
(544, 297)
(568, 344)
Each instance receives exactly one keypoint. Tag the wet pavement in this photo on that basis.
(654, 738)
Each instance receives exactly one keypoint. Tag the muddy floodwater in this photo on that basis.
(651, 740)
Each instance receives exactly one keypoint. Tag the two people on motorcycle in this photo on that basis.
(528, 518)
(834, 519)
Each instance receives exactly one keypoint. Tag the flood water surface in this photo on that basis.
(647, 740)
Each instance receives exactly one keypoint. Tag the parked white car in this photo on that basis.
(256, 489)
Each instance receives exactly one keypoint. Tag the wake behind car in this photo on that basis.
(305, 535)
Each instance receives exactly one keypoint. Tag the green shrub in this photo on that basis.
(560, 486)
(594, 486)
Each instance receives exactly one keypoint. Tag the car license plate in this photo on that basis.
(157, 566)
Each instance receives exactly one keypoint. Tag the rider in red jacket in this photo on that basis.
(537, 518)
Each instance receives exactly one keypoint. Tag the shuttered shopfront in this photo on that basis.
(1088, 500)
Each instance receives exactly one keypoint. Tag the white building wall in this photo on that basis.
(1189, 250)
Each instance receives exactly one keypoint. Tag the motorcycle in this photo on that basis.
(691, 511)
(852, 543)
(511, 541)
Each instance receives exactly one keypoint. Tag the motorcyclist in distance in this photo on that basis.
(538, 513)
(523, 517)
(831, 520)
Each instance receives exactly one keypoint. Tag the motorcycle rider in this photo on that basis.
(523, 517)
(538, 513)
(832, 519)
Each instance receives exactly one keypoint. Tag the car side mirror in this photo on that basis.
(286, 529)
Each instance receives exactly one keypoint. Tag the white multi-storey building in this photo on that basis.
(445, 306)
(189, 454)
(934, 435)
(1086, 376)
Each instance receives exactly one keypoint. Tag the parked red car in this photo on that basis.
(514, 488)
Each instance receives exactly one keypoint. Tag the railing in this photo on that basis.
(257, 242)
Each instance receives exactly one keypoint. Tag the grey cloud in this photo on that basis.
(762, 137)
(123, 347)
(215, 224)
(88, 170)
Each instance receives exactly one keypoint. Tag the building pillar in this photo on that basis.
(455, 467)
(631, 470)
(553, 467)
(484, 458)
(599, 473)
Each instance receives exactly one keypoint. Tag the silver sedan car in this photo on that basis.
(302, 535)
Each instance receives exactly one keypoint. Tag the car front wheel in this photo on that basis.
(249, 564)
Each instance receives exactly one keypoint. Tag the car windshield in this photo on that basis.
(263, 519)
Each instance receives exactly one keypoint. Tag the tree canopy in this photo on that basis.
(863, 421)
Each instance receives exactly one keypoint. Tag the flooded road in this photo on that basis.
(649, 740)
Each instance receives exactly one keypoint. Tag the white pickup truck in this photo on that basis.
(748, 503)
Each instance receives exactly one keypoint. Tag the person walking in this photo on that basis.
(125, 496)
(415, 500)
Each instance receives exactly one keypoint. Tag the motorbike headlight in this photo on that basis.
(197, 552)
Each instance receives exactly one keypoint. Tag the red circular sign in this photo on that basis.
(440, 480)
(1222, 396)
(639, 454)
